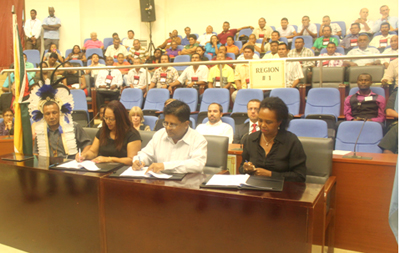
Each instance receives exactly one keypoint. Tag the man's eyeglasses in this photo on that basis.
(171, 125)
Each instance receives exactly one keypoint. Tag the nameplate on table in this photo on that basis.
(266, 74)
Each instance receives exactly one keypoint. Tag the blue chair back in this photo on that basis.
(180, 47)
(369, 139)
(208, 56)
(342, 25)
(181, 58)
(309, 128)
(323, 101)
(318, 27)
(155, 99)
(290, 96)
(284, 39)
(295, 27)
(338, 50)
(86, 40)
(33, 56)
(79, 98)
(232, 55)
(238, 43)
(272, 27)
(246, 32)
(377, 90)
(244, 96)
(192, 123)
(308, 41)
(197, 35)
(131, 97)
(89, 62)
(180, 36)
(150, 121)
(187, 95)
(227, 120)
(259, 40)
(91, 51)
(215, 95)
(67, 52)
(107, 42)
(77, 61)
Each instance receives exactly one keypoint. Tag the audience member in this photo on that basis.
(101, 115)
(137, 51)
(11, 78)
(185, 41)
(138, 77)
(251, 126)
(137, 119)
(156, 58)
(326, 21)
(231, 47)
(187, 149)
(366, 24)
(44, 73)
(365, 104)
(222, 49)
(323, 41)
(7, 99)
(362, 49)
(350, 41)
(242, 71)
(384, 10)
(33, 29)
(172, 37)
(76, 54)
(51, 26)
(301, 51)
(164, 76)
(121, 62)
(203, 39)
(194, 76)
(212, 46)
(331, 48)
(215, 126)
(228, 77)
(191, 47)
(229, 32)
(263, 31)
(117, 141)
(115, 49)
(274, 151)
(383, 40)
(160, 121)
(29, 65)
(7, 126)
(391, 107)
(174, 51)
(52, 63)
(95, 63)
(252, 42)
(108, 83)
(200, 50)
(391, 73)
(274, 50)
(293, 71)
(93, 42)
(287, 30)
(275, 36)
(53, 49)
(74, 79)
(308, 28)
(115, 36)
(389, 142)
(128, 42)
(394, 49)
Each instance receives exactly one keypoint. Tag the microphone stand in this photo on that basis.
(355, 156)
(88, 125)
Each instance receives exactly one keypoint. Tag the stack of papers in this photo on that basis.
(142, 173)
(228, 180)
(245, 182)
(89, 165)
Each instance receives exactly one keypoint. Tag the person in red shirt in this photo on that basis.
(229, 32)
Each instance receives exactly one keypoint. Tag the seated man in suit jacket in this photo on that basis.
(6, 99)
(247, 128)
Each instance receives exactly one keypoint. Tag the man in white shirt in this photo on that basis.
(252, 125)
(128, 42)
(177, 147)
(362, 49)
(108, 83)
(391, 73)
(115, 49)
(274, 50)
(366, 24)
(215, 126)
(394, 49)
(326, 21)
(287, 30)
(308, 28)
(32, 29)
(293, 72)
(383, 40)
(194, 76)
(203, 39)
(137, 76)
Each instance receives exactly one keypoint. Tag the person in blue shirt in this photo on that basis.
(10, 79)
(213, 46)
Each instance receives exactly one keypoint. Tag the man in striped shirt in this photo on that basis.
(293, 71)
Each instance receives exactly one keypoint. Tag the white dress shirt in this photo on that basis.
(188, 73)
(220, 128)
(203, 39)
(287, 32)
(128, 42)
(142, 78)
(389, 51)
(367, 51)
(188, 155)
(293, 72)
(375, 42)
(271, 56)
(312, 27)
(112, 52)
(115, 73)
(241, 57)
(33, 28)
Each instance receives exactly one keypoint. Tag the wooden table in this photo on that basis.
(363, 193)
(6, 145)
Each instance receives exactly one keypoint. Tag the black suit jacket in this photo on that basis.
(240, 131)
(5, 101)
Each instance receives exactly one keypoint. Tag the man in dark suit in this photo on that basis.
(6, 99)
(252, 126)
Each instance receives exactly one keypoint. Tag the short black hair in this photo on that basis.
(357, 24)
(279, 107)
(277, 33)
(365, 74)
(8, 110)
(299, 38)
(50, 102)
(221, 109)
(169, 59)
(230, 37)
(249, 47)
(385, 23)
(226, 22)
(331, 43)
(196, 54)
(131, 31)
(34, 11)
(53, 55)
(285, 19)
(274, 42)
(114, 34)
(253, 100)
(330, 28)
(179, 109)
(192, 36)
(283, 43)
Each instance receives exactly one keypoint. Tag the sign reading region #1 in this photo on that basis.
(266, 74)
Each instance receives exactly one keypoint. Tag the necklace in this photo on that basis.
(268, 142)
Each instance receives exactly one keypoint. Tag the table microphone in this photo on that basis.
(355, 156)
(88, 125)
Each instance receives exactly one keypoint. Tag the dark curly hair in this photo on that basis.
(279, 107)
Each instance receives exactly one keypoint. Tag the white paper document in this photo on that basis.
(142, 173)
(340, 152)
(228, 180)
(89, 165)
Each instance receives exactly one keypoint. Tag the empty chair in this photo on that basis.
(227, 120)
(91, 51)
(107, 42)
(67, 52)
(150, 121)
(232, 55)
(376, 71)
(370, 136)
(33, 56)
(239, 111)
(246, 32)
(213, 95)
(209, 57)
(132, 97)
(309, 128)
(342, 25)
(318, 27)
(91, 132)
(338, 50)
(155, 100)
(295, 28)
(181, 58)
(290, 96)
(146, 136)
(187, 95)
(238, 43)
(308, 41)
(331, 77)
(377, 90)
(272, 27)
(217, 154)
(80, 112)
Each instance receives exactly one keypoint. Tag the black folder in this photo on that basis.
(257, 183)
(104, 167)
(175, 176)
